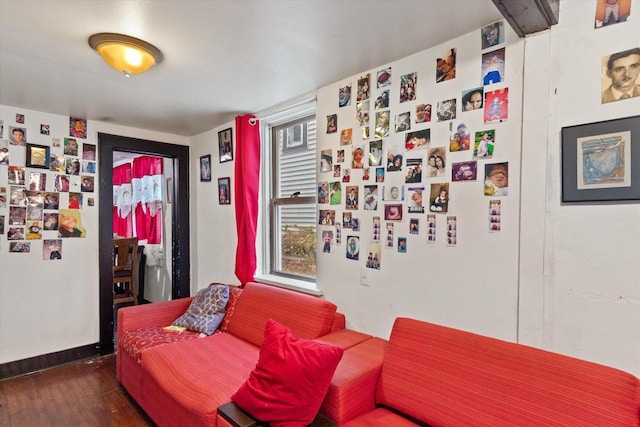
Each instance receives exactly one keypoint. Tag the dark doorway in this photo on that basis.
(180, 254)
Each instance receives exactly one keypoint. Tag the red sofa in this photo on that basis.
(446, 377)
(181, 379)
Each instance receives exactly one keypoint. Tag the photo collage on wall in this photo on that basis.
(50, 181)
(387, 136)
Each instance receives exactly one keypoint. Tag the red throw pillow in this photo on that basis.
(292, 376)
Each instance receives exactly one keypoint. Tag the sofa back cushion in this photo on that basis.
(308, 317)
(444, 376)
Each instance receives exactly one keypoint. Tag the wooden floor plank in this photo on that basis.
(83, 393)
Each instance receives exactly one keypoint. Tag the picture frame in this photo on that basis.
(224, 191)
(205, 168)
(38, 156)
(225, 145)
(601, 161)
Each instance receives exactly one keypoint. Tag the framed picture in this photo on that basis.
(205, 168)
(601, 161)
(224, 191)
(38, 156)
(225, 144)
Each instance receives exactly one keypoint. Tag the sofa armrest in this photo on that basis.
(154, 314)
(236, 417)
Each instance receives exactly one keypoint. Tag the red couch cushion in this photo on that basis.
(290, 380)
(308, 317)
(444, 376)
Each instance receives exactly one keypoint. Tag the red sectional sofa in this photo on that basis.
(441, 376)
(181, 379)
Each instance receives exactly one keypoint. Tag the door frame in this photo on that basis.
(180, 245)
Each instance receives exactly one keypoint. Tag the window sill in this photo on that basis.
(291, 284)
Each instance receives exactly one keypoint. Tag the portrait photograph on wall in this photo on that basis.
(225, 145)
(224, 191)
(205, 168)
(620, 75)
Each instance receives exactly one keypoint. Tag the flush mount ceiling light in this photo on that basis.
(125, 54)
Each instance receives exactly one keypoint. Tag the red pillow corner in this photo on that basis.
(291, 379)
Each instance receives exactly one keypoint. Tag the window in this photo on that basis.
(289, 196)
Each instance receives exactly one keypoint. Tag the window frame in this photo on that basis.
(270, 182)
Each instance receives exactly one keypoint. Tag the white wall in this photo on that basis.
(473, 286)
(49, 306)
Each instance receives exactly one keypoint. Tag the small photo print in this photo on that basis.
(20, 247)
(338, 229)
(379, 174)
(326, 160)
(493, 67)
(75, 200)
(344, 96)
(15, 175)
(393, 193)
(351, 202)
(17, 215)
(460, 138)
(473, 99)
(375, 153)
(20, 118)
(62, 183)
(77, 128)
(417, 140)
(484, 144)
(335, 194)
(494, 216)
(327, 237)
(414, 226)
(464, 171)
(363, 88)
(437, 161)
(446, 110)
(1, 224)
(353, 247)
(423, 113)
(415, 204)
(327, 217)
(346, 219)
(57, 163)
(383, 77)
(362, 113)
(88, 167)
(86, 185)
(15, 233)
(88, 151)
(382, 101)
(496, 181)
(402, 245)
(70, 147)
(370, 197)
(374, 256)
(323, 192)
(492, 35)
(17, 136)
(346, 136)
(72, 165)
(4, 152)
(44, 129)
(358, 158)
(403, 121)
(34, 230)
(496, 106)
(408, 87)
(337, 171)
(609, 12)
(37, 181)
(439, 197)
(50, 221)
(376, 229)
(382, 124)
(332, 123)
(431, 228)
(414, 170)
(52, 249)
(340, 156)
(452, 232)
(393, 212)
(70, 223)
(446, 66)
(390, 227)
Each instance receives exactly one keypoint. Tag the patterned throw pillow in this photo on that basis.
(206, 310)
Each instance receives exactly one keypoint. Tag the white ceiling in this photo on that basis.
(221, 57)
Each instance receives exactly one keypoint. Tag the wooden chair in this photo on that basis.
(125, 258)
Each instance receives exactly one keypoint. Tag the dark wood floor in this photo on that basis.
(84, 393)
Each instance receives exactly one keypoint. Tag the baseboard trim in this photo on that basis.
(45, 361)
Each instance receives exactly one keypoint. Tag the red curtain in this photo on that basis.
(147, 179)
(122, 223)
(247, 177)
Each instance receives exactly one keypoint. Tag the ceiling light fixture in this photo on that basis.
(126, 54)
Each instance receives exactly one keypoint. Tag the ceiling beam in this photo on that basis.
(529, 16)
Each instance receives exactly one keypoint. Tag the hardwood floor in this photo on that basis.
(84, 393)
